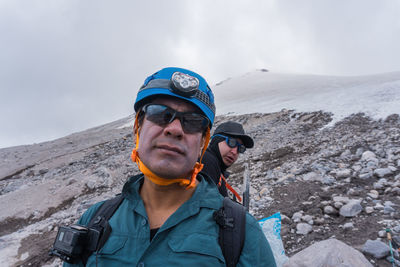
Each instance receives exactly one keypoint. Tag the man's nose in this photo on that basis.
(235, 150)
(174, 128)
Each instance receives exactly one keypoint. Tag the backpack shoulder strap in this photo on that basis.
(106, 210)
(232, 221)
(99, 222)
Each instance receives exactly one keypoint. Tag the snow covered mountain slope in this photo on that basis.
(261, 91)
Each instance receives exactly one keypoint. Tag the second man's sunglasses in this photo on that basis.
(232, 142)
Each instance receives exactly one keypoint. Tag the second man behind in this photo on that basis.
(228, 141)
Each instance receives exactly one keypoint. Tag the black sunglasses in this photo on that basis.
(162, 115)
(232, 142)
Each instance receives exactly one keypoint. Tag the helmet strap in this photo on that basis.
(189, 183)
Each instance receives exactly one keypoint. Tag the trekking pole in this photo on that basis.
(389, 237)
(246, 187)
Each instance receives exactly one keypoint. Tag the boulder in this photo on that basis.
(348, 226)
(303, 228)
(383, 172)
(344, 173)
(344, 200)
(351, 209)
(312, 176)
(365, 175)
(368, 155)
(330, 210)
(376, 248)
(330, 252)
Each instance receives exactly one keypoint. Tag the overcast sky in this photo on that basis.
(69, 65)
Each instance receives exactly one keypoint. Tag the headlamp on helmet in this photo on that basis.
(184, 84)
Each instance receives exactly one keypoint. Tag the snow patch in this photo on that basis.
(375, 95)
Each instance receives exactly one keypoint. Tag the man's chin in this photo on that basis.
(170, 176)
(228, 164)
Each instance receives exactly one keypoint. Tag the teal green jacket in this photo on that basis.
(189, 237)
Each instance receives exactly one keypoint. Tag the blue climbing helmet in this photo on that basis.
(181, 83)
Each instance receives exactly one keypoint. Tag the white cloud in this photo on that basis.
(69, 65)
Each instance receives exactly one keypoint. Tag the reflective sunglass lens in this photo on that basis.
(192, 123)
(158, 114)
(231, 142)
(162, 115)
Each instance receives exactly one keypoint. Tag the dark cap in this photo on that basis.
(236, 130)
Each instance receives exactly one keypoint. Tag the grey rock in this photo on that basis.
(382, 233)
(372, 164)
(373, 194)
(366, 175)
(376, 248)
(348, 226)
(396, 228)
(369, 210)
(396, 190)
(297, 216)
(325, 203)
(379, 185)
(303, 228)
(311, 176)
(320, 167)
(342, 199)
(307, 218)
(345, 154)
(92, 184)
(351, 209)
(330, 210)
(389, 203)
(388, 209)
(392, 168)
(383, 172)
(351, 192)
(328, 180)
(359, 151)
(330, 252)
(357, 168)
(343, 173)
(319, 221)
(43, 171)
(368, 155)
(338, 205)
(383, 181)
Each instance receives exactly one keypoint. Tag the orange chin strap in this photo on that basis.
(165, 181)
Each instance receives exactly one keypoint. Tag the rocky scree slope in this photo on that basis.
(341, 181)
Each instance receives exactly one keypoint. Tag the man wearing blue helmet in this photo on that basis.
(165, 216)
